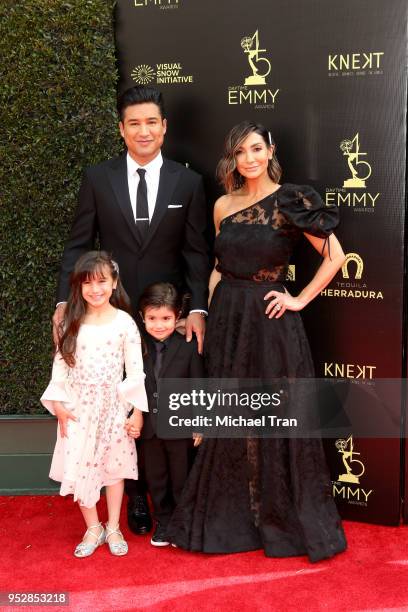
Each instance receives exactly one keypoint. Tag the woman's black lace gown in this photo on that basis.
(251, 493)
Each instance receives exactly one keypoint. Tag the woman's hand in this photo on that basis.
(134, 424)
(280, 302)
(333, 259)
(63, 415)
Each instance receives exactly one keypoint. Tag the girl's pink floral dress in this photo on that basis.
(98, 451)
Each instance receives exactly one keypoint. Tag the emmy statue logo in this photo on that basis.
(345, 447)
(260, 66)
(291, 274)
(360, 169)
(359, 263)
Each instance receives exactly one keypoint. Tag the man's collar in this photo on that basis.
(152, 166)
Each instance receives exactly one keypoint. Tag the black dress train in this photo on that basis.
(250, 493)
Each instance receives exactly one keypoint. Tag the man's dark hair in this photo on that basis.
(140, 95)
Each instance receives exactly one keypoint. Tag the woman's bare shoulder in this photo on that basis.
(222, 202)
(227, 201)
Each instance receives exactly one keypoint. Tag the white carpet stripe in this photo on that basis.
(142, 596)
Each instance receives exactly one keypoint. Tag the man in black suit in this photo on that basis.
(150, 213)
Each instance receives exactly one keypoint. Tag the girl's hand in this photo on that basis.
(134, 424)
(198, 438)
(281, 302)
(63, 415)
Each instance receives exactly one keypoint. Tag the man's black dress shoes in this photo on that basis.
(139, 519)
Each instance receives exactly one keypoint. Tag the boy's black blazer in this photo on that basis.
(180, 360)
(174, 249)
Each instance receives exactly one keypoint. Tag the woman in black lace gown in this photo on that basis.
(250, 493)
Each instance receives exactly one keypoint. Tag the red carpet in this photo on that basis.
(38, 536)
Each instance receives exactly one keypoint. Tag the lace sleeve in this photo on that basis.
(304, 208)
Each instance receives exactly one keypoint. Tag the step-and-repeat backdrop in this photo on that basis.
(329, 80)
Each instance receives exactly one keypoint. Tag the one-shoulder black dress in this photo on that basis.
(250, 493)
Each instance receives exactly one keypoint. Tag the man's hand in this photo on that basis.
(197, 439)
(57, 319)
(181, 326)
(63, 415)
(195, 323)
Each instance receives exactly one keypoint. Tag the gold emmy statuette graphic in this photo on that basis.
(346, 448)
(291, 275)
(256, 62)
(351, 148)
(359, 263)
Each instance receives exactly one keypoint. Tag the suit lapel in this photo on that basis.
(170, 352)
(117, 175)
(168, 180)
(148, 361)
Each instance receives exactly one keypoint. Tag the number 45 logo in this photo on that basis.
(360, 169)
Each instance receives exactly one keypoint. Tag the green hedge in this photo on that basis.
(58, 94)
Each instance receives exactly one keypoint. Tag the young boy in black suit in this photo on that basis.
(168, 355)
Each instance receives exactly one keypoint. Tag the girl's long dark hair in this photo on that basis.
(88, 266)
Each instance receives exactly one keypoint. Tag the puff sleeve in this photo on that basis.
(57, 389)
(304, 208)
(132, 388)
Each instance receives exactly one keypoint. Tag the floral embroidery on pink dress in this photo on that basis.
(98, 451)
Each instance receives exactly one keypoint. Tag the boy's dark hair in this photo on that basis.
(163, 294)
(139, 94)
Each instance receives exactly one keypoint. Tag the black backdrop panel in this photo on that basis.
(329, 80)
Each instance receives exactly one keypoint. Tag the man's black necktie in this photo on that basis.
(160, 348)
(142, 208)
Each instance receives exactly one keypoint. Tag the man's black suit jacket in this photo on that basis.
(174, 249)
(180, 360)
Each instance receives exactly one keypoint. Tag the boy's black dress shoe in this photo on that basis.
(159, 538)
(138, 514)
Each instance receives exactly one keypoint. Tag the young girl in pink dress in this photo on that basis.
(91, 400)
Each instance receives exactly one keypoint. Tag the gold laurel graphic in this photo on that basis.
(143, 74)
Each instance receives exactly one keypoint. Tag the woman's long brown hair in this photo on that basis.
(90, 265)
(227, 172)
